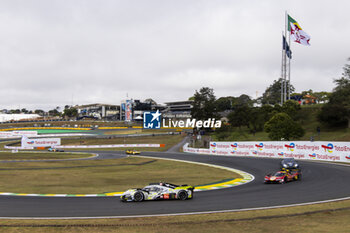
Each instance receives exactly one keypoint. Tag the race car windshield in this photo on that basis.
(279, 174)
(151, 189)
(147, 188)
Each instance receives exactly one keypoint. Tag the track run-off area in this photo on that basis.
(321, 182)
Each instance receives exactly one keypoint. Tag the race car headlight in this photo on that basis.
(284, 165)
(295, 165)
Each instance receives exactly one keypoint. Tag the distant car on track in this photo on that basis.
(55, 150)
(289, 163)
(159, 191)
(282, 177)
(132, 152)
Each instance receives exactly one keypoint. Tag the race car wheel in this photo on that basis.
(182, 195)
(299, 177)
(284, 180)
(138, 196)
(123, 199)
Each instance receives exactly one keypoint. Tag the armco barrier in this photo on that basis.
(320, 150)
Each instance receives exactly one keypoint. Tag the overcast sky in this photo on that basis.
(54, 53)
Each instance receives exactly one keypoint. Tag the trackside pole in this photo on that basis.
(289, 60)
(285, 58)
(282, 82)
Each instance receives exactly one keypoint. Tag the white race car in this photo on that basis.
(158, 191)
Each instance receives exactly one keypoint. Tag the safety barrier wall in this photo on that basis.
(195, 150)
(320, 150)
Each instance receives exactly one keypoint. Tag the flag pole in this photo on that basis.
(289, 83)
(282, 65)
(285, 58)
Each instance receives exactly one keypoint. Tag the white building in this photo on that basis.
(17, 117)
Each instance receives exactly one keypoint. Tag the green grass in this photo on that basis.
(4, 155)
(58, 131)
(247, 221)
(137, 131)
(168, 140)
(122, 140)
(99, 176)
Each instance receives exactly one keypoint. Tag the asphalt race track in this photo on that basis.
(320, 181)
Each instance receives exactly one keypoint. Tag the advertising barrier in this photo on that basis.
(40, 142)
(195, 150)
(18, 134)
(319, 150)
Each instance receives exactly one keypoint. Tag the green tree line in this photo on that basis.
(266, 113)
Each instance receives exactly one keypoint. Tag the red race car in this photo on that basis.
(282, 177)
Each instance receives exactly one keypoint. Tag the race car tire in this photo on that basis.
(192, 194)
(299, 177)
(123, 199)
(138, 196)
(182, 195)
(284, 180)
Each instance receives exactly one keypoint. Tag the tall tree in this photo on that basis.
(54, 112)
(272, 94)
(260, 115)
(225, 103)
(70, 112)
(281, 126)
(337, 111)
(292, 108)
(39, 111)
(244, 100)
(322, 96)
(240, 116)
(204, 104)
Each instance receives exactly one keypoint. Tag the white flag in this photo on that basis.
(298, 35)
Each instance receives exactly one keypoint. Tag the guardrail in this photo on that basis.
(320, 150)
